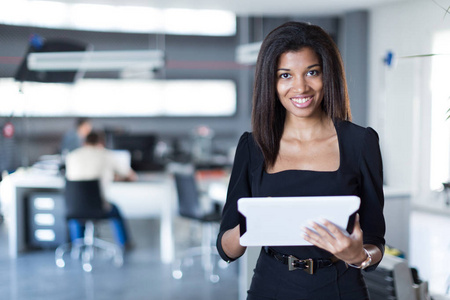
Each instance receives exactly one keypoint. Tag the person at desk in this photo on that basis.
(304, 144)
(94, 161)
(74, 138)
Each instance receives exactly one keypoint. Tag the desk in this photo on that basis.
(152, 196)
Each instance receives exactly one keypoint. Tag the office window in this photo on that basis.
(440, 126)
(119, 98)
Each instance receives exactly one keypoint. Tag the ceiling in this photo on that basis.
(255, 7)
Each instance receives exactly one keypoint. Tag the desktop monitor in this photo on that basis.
(140, 146)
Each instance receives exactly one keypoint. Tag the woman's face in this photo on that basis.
(299, 83)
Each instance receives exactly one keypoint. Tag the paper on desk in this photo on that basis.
(278, 221)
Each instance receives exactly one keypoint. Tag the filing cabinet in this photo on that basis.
(46, 223)
(392, 280)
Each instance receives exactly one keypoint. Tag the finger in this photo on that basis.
(330, 234)
(357, 223)
(323, 231)
(313, 238)
(357, 231)
(311, 233)
(323, 238)
(334, 230)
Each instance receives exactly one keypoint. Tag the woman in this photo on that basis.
(303, 144)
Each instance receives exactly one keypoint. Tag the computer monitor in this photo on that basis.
(141, 148)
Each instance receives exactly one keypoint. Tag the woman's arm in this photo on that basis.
(375, 253)
(230, 243)
(240, 186)
(372, 195)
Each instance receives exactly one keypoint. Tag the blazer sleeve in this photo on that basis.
(239, 186)
(371, 193)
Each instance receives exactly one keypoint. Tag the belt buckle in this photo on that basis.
(309, 264)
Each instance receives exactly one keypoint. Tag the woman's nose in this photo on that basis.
(299, 85)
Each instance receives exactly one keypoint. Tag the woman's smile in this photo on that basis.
(302, 101)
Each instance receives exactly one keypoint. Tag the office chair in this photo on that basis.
(189, 206)
(84, 203)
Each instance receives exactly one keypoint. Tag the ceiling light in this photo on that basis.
(116, 18)
(96, 60)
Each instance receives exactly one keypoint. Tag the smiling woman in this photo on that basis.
(303, 144)
(120, 98)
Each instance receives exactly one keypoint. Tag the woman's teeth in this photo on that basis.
(300, 100)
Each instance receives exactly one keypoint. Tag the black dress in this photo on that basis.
(359, 173)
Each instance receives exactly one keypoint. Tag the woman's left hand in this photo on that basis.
(328, 236)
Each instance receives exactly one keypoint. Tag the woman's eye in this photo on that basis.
(313, 73)
(285, 75)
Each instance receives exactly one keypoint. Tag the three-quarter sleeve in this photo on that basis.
(239, 186)
(371, 192)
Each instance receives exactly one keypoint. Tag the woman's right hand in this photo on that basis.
(230, 243)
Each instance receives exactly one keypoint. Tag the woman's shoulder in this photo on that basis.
(247, 141)
(355, 140)
(347, 129)
(248, 147)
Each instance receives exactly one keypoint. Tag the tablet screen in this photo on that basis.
(278, 221)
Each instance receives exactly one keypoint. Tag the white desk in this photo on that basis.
(152, 196)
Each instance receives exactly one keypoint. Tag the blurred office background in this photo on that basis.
(189, 103)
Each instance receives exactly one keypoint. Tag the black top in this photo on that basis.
(360, 173)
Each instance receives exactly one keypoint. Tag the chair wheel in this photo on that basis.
(87, 267)
(177, 274)
(223, 264)
(60, 263)
(214, 278)
(118, 261)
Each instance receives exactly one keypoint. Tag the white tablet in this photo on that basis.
(277, 221)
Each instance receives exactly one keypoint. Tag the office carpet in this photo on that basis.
(34, 275)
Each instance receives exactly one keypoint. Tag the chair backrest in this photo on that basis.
(188, 195)
(83, 200)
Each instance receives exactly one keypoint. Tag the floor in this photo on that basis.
(34, 275)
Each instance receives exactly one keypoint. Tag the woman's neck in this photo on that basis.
(310, 128)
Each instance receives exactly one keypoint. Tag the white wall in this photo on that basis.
(399, 97)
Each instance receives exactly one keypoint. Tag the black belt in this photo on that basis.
(308, 265)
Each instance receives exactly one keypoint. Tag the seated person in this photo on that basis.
(94, 161)
(74, 138)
